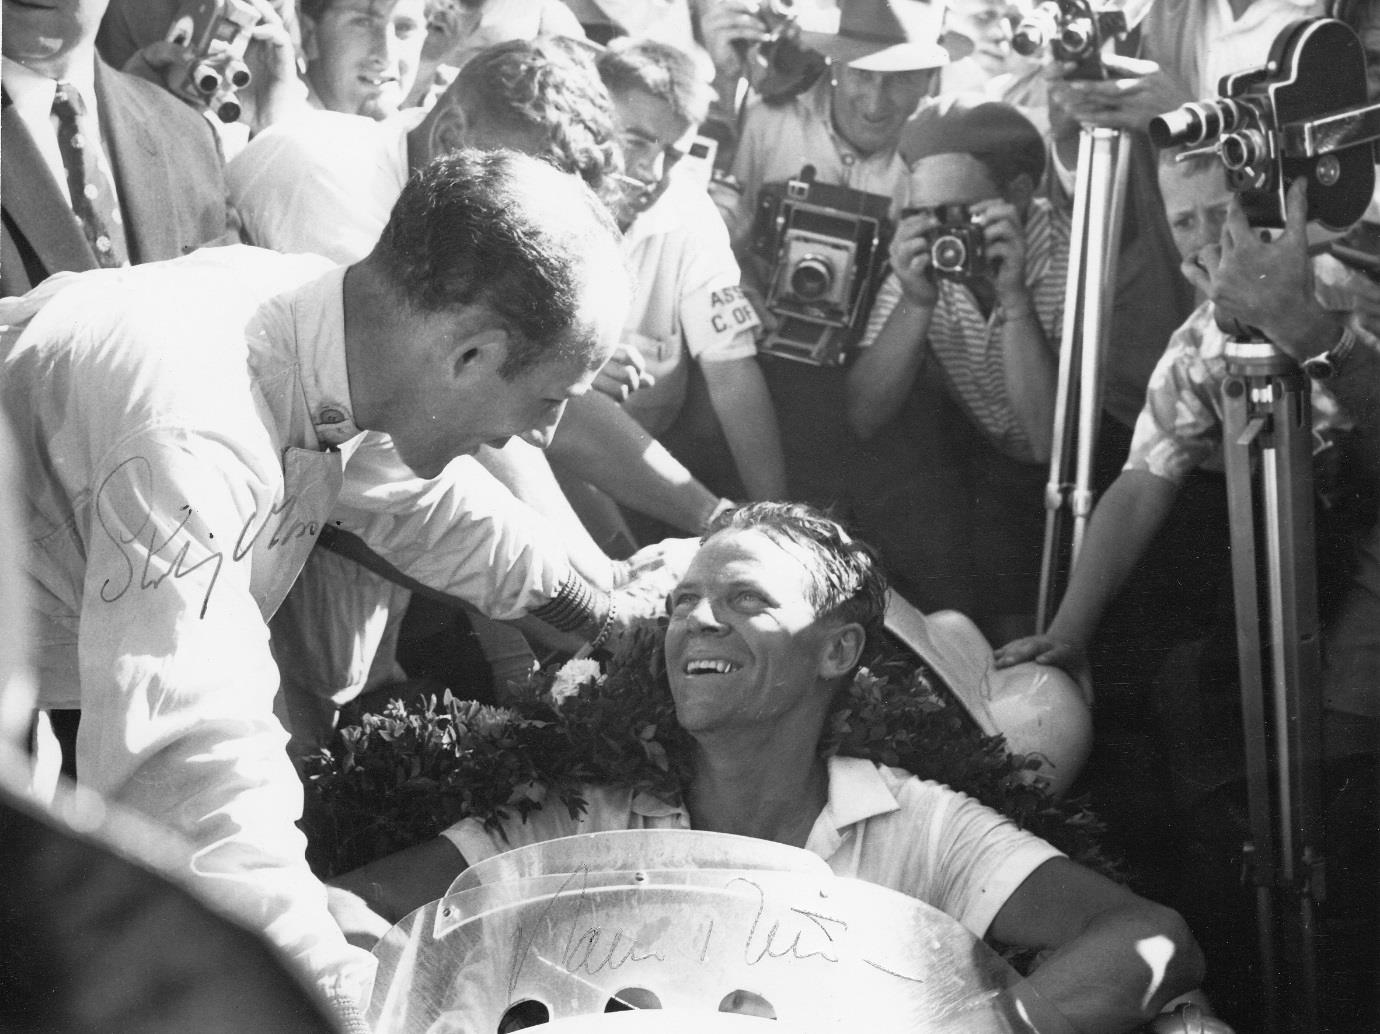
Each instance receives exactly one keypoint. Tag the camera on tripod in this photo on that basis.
(957, 246)
(1076, 31)
(824, 246)
(217, 32)
(1302, 114)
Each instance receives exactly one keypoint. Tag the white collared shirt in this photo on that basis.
(1230, 44)
(31, 95)
(879, 824)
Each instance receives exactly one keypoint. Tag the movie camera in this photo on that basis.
(825, 247)
(782, 67)
(1076, 31)
(1302, 114)
(957, 246)
(217, 33)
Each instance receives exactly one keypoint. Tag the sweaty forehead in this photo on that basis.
(376, 8)
(740, 555)
(1184, 187)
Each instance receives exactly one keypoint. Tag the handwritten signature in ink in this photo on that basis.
(149, 556)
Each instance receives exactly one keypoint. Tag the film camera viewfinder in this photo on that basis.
(217, 32)
(824, 247)
(957, 246)
(1302, 114)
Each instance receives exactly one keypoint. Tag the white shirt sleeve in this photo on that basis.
(462, 532)
(315, 183)
(980, 857)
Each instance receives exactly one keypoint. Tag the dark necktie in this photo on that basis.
(93, 195)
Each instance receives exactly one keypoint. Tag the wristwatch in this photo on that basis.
(1325, 365)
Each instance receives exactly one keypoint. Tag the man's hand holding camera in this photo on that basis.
(910, 259)
(1135, 92)
(728, 28)
(1004, 234)
(1267, 284)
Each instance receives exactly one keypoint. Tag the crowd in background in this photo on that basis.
(931, 437)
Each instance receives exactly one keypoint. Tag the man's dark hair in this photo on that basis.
(313, 9)
(547, 88)
(1000, 137)
(660, 70)
(483, 227)
(846, 574)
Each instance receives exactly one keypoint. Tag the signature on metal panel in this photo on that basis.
(568, 933)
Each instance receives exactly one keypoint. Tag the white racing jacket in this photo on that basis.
(187, 431)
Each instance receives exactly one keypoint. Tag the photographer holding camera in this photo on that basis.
(882, 61)
(972, 308)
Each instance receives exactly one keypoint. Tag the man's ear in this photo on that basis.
(311, 50)
(479, 352)
(1020, 191)
(448, 131)
(842, 650)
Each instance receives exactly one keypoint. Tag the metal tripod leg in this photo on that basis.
(1095, 241)
(1267, 415)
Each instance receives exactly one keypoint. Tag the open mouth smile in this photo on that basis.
(710, 667)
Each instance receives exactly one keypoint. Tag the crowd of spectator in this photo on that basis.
(606, 177)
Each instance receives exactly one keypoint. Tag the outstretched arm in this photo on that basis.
(738, 393)
(402, 882)
(602, 444)
(1122, 527)
(881, 377)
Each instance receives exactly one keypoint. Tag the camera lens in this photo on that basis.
(812, 278)
(238, 74)
(1242, 150)
(1036, 29)
(949, 254)
(1077, 37)
(205, 77)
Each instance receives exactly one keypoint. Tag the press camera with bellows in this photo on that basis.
(1303, 114)
(957, 246)
(1076, 31)
(217, 34)
(824, 246)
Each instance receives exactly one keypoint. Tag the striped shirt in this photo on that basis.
(968, 345)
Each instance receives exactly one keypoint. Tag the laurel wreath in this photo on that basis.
(397, 777)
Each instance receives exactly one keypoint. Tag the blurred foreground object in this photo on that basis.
(94, 941)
